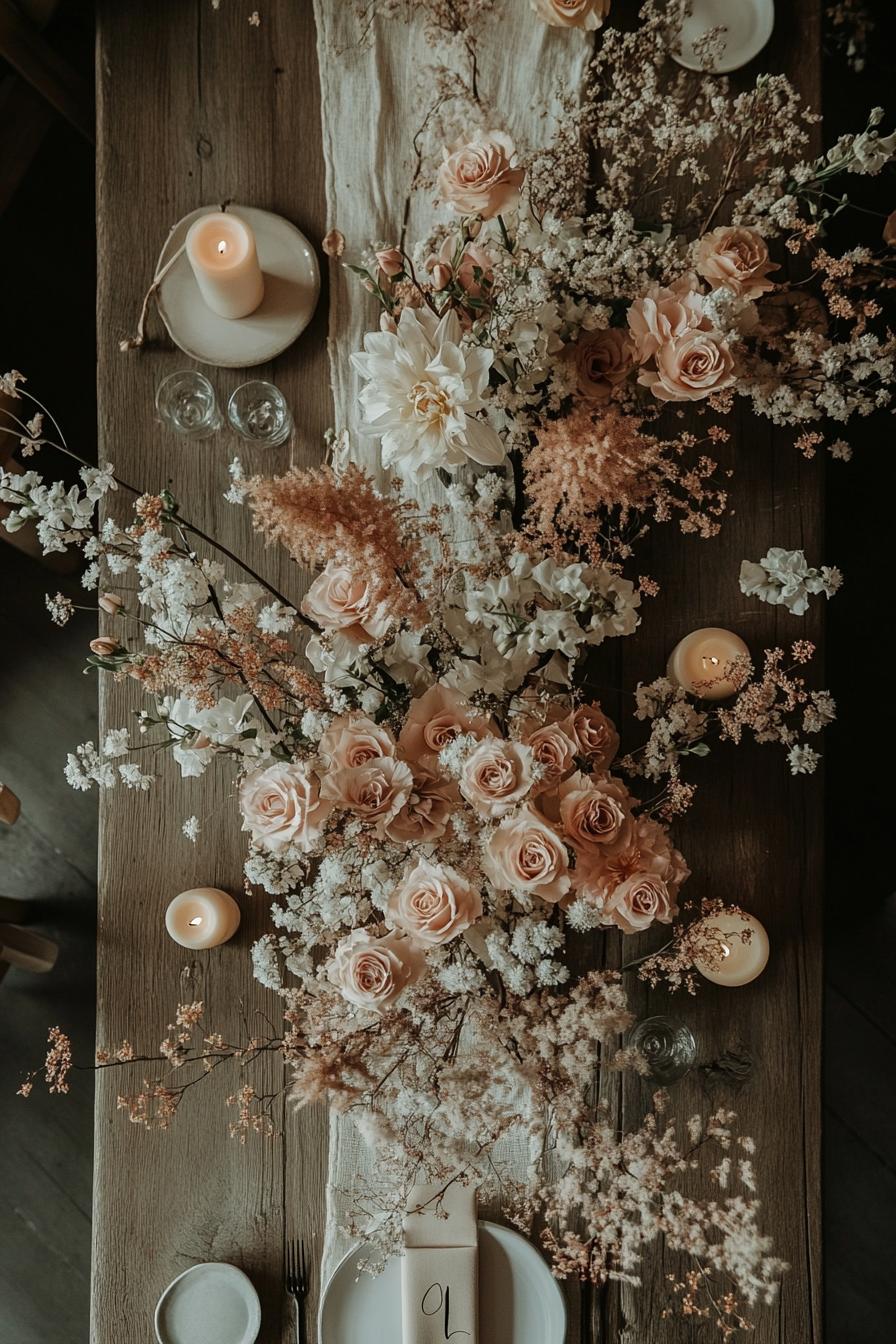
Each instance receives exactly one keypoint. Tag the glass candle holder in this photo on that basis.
(668, 1046)
(186, 403)
(258, 411)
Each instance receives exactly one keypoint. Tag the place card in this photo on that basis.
(439, 1269)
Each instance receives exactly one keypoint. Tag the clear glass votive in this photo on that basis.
(668, 1046)
(186, 403)
(258, 411)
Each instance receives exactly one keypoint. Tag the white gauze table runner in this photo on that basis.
(374, 97)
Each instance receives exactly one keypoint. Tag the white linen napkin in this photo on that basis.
(439, 1270)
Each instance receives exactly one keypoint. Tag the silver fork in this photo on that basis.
(297, 1284)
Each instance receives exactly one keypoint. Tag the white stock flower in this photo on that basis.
(422, 395)
(783, 578)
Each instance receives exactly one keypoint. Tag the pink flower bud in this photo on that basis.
(441, 275)
(111, 603)
(388, 324)
(103, 647)
(390, 261)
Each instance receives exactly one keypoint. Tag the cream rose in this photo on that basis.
(434, 904)
(525, 854)
(639, 901)
(372, 972)
(376, 792)
(435, 719)
(594, 735)
(281, 805)
(340, 600)
(604, 359)
(594, 813)
(426, 813)
(353, 740)
(588, 14)
(476, 176)
(665, 312)
(554, 751)
(736, 259)
(690, 367)
(496, 776)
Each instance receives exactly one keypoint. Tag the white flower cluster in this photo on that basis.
(62, 516)
(784, 578)
(88, 765)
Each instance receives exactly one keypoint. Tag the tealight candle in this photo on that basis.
(221, 250)
(202, 917)
(703, 656)
(742, 961)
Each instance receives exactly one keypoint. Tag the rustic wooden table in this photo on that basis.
(194, 107)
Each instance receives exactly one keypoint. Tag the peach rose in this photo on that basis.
(104, 647)
(639, 901)
(339, 600)
(434, 904)
(736, 259)
(525, 854)
(390, 261)
(425, 815)
(476, 176)
(496, 776)
(281, 805)
(376, 792)
(649, 850)
(664, 313)
(594, 814)
(354, 740)
(588, 14)
(594, 735)
(435, 719)
(473, 270)
(372, 972)
(604, 359)
(691, 367)
(110, 603)
(554, 750)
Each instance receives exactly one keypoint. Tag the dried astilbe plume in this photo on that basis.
(321, 516)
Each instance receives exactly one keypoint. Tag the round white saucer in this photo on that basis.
(519, 1298)
(749, 24)
(209, 1304)
(291, 290)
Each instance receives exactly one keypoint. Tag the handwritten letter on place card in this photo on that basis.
(439, 1278)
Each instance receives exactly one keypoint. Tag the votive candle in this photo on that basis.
(221, 250)
(202, 917)
(701, 657)
(742, 961)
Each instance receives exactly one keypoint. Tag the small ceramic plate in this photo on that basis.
(291, 290)
(209, 1304)
(519, 1300)
(749, 25)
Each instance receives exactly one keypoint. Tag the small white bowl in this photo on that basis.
(749, 24)
(209, 1304)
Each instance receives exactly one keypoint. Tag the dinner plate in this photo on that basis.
(519, 1299)
(291, 290)
(209, 1304)
(749, 25)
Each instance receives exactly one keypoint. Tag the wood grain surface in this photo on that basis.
(196, 106)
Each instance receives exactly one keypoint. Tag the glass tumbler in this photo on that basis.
(258, 411)
(668, 1046)
(186, 403)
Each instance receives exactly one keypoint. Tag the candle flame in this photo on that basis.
(196, 920)
(222, 247)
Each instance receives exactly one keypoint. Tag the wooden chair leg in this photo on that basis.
(22, 46)
(15, 911)
(10, 807)
(27, 950)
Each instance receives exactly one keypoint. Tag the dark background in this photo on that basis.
(47, 329)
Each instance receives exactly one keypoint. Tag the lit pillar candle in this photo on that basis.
(702, 656)
(741, 961)
(221, 250)
(202, 917)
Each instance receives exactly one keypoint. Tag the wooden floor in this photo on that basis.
(46, 707)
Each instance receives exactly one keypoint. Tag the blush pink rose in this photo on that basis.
(281, 805)
(340, 600)
(594, 813)
(434, 904)
(603, 359)
(427, 811)
(434, 720)
(736, 259)
(354, 740)
(594, 735)
(525, 854)
(376, 792)
(649, 850)
(473, 270)
(477, 176)
(554, 751)
(496, 776)
(690, 367)
(587, 14)
(639, 901)
(372, 972)
(664, 312)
